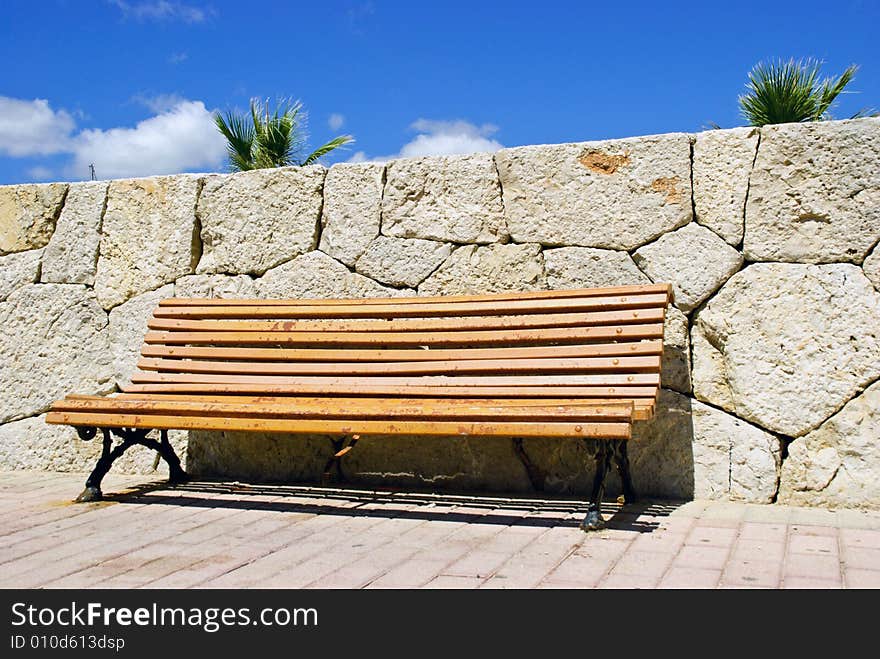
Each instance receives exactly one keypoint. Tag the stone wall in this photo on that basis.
(772, 364)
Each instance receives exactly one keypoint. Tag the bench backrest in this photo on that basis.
(590, 344)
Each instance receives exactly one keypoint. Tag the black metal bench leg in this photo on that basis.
(593, 520)
(129, 438)
(622, 460)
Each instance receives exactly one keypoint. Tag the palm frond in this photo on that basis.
(239, 139)
(831, 89)
(324, 149)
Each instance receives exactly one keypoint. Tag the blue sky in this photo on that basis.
(130, 84)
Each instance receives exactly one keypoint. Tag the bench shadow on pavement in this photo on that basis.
(548, 511)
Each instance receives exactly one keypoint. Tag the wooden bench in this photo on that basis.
(552, 364)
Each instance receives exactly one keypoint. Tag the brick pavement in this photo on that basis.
(219, 535)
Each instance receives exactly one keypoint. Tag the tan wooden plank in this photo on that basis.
(506, 295)
(466, 338)
(209, 352)
(606, 430)
(589, 319)
(487, 366)
(419, 309)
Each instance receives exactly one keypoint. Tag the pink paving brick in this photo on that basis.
(703, 557)
(761, 574)
(862, 558)
(823, 545)
(869, 539)
(856, 578)
(685, 577)
(577, 569)
(758, 531)
(641, 563)
(812, 565)
(811, 583)
(629, 581)
(447, 581)
(758, 550)
(711, 536)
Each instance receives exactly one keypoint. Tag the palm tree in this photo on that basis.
(790, 91)
(261, 139)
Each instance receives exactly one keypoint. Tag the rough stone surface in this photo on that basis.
(692, 450)
(871, 266)
(28, 214)
(220, 286)
(722, 163)
(814, 194)
(586, 267)
(838, 464)
(316, 275)
(675, 366)
(253, 221)
(693, 259)
(72, 254)
(128, 324)
(54, 342)
(18, 269)
(33, 444)
(352, 213)
(150, 236)
(402, 261)
(616, 194)
(451, 198)
(489, 269)
(786, 345)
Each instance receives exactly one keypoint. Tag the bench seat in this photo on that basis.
(579, 363)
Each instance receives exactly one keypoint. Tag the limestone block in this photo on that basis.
(72, 254)
(54, 342)
(675, 366)
(352, 213)
(18, 269)
(814, 195)
(586, 267)
(28, 214)
(316, 275)
(450, 198)
(722, 164)
(784, 346)
(219, 286)
(253, 221)
(150, 236)
(489, 269)
(693, 259)
(871, 266)
(838, 464)
(616, 194)
(402, 261)
(128, 324)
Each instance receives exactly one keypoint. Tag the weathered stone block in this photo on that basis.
(838, 464)
(402, 261)
(128, 324)
(149, 238)
(71, 256)
(814, 194)
(316, 275)
(586, 267)
(675, 366)
(693, 259)
(54, 342)
(617, 194)
(786, 345)
(871, 267)
(28, 214)
(722, 164)
(18, 269)
(352, 213)
(451, 198)
(219, 286)
(490, 269)
(253, 221)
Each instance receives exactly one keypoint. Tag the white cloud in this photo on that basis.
(160, 102)
(441, 138)
(32, 128)
(163, 10)
(181, 138)
(40, 173)
(177, 58)
(336, 121)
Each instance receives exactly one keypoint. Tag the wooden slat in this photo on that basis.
(313, 388)
(591, 364)
(472, 338)
(506, 295)
(410, 354)
(629, 316)
(419, 309)
(643, 408)
(501, 381)
(428, 410)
